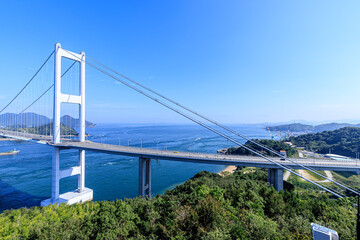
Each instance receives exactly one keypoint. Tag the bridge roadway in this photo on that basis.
(219, 159)
(30, 137)
(208, 158)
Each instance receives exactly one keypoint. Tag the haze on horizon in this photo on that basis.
(234, 61)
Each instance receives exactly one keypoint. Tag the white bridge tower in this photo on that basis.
(81, 194)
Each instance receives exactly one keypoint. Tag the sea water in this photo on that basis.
(25, 179)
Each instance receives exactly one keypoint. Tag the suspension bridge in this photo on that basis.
(52, 103)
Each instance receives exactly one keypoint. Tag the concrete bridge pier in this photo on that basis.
(145, 177)
(79, 195)
(275, 178)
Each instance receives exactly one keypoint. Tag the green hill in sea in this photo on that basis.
(48, 128)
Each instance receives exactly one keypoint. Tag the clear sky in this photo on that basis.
(235, 61)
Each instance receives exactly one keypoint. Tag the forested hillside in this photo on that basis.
(208, 206)
(272, 144)
(343, 141)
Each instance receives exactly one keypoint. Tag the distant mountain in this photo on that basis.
(23, 120)
(75, 122)
(305, 128)
(29, 120)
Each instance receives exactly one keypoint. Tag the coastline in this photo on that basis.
(228, 170)
(7, 139)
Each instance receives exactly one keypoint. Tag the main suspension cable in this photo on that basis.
(28, 82)
(224, 127)
(206, 126)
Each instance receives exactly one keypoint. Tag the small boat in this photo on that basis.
(9, 153)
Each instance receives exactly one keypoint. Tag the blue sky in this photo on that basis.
(235, 61)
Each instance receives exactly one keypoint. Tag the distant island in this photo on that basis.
(75, 122)
(47, 130)
(305, 128)
(36, 120)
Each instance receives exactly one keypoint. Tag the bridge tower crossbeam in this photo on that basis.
(81, 194)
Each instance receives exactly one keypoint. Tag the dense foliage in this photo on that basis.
(272, 144)
(344, 141)
(208, 206)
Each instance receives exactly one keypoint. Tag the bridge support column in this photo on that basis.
(145, 177)
(55, 182)
(81, 176)
(79, 195)
(275, 178)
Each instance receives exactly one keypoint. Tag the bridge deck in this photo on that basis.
(249, 161)
(30, 137)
